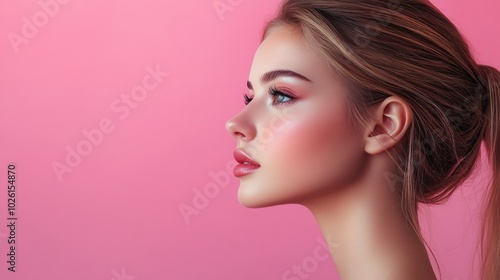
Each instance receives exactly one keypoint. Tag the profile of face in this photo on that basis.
(295, 126)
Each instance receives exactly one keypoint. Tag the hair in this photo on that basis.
(409, 49)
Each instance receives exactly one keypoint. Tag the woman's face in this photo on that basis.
(302, 139)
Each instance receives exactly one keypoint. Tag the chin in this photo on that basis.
(252, 202)
(250, 198)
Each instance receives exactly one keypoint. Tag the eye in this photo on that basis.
(279, 97)
(247, 99)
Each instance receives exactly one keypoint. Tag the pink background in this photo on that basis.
(116, 214)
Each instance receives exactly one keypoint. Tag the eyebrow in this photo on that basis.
(271, 75)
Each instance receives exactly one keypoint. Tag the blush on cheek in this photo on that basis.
(320, 148)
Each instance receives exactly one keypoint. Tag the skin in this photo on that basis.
(310, 154)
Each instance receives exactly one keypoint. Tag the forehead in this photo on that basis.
(285, 48)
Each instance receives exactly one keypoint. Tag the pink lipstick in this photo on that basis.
(246, 164)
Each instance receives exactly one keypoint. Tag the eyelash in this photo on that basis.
(274, 93)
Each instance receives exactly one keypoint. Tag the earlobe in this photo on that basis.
(390, 121)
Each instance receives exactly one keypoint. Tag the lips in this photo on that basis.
(246, 164)
(242, 158)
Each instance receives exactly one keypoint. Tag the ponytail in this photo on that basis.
(490, 239)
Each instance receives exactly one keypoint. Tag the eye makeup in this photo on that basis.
(277, 96)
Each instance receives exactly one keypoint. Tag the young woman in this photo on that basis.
(360, 110)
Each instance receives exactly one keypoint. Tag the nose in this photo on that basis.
(238, 128)
(232, 128)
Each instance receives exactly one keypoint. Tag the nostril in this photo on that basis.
(239, 127)
(237, 133)
(231, 128)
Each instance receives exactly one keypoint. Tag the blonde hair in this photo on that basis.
(410, 49)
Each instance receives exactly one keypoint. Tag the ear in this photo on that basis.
(390, 121)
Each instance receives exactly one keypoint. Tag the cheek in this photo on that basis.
(305, 155)
(320, 138)
(315, 152)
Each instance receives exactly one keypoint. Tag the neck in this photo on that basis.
(367, 232)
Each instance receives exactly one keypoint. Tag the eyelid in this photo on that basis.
(273, 92)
